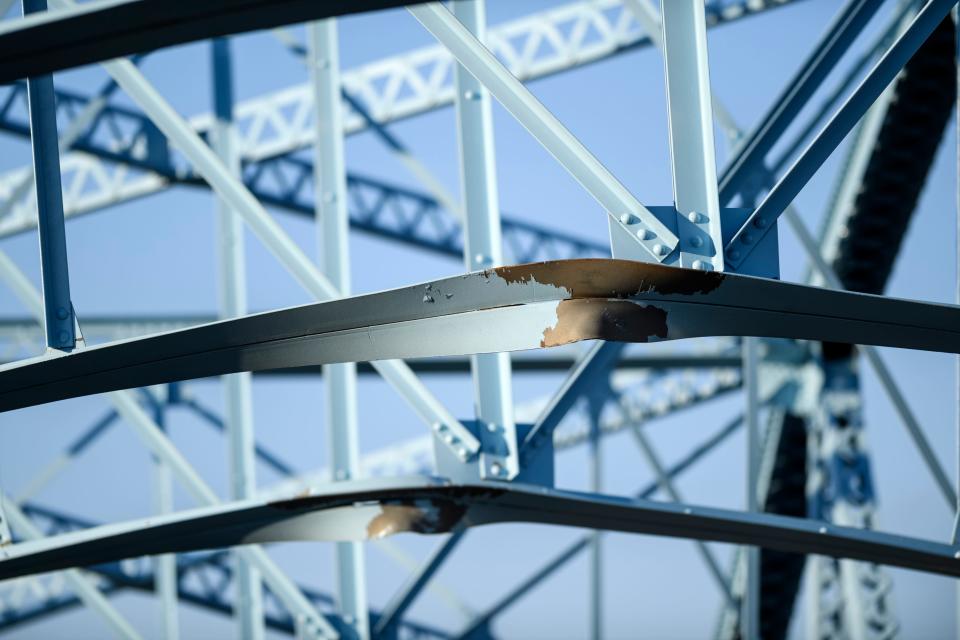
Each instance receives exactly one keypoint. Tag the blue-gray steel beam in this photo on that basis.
(782, 194)
(57, 306)
(572, 155)
(838, 37)
(233, 303)
(750, 616)
(599, 359)
(376, 207)
(513, 596)
(397, 607)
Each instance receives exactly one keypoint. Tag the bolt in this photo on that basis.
(64, 337)
(822, 530)
(699, 265)
(462, 453)
(428, 298)
(688, 511)
(480, 259)
(491, 427)
(448, 438)
(696, 241)
(746, 238)
(471, 95)
(643, 234)
(659, 249)
(496, 469)
(625, 218)
(693, 217)
(438, 427)
(760, 223)
(734, 255)
(62, 313)
(957, 555)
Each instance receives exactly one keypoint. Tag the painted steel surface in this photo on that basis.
(543, 304)
(370, 510)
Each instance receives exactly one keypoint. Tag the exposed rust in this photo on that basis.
(394, 518)
(424, 516)
(591, 319)
(606, 278)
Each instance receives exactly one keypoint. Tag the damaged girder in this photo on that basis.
(372, 509)
(543, 304)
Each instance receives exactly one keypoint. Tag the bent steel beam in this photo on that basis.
(545, 304)
(379, 508)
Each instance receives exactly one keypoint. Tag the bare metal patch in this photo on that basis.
(606, 278)
(424, 516)
(619, 320)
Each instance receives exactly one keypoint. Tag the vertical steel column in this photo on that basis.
(340, 380)
(750, 617)
(165, 566)
(483, 249)
(233, 302)
(57, 308)
(955, 538)
(691, 134)
(595, 403)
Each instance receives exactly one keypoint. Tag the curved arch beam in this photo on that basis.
(544, 304)
(371, 509)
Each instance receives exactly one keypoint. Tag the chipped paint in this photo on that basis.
(604, 278)
(424, 516)
(591, 319)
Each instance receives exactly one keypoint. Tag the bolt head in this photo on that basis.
(62, 313)
(822, 530)
(64, 337)
(746, 238)
(496, 469)
(734, 255)
(462, 453)
(659, 249)
(957, 555)
(760, 222)
(696, 241)
(448, 438)
(643, 234)
(693, 217)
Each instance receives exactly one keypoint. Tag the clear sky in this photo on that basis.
(157, 255)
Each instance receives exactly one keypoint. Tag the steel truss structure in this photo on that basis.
(707, 266)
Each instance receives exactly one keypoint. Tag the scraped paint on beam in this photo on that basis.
(543, 304)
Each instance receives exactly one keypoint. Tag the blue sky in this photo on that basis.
(157, 255)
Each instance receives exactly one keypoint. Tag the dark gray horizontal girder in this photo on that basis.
(509, 308)
(373, 509)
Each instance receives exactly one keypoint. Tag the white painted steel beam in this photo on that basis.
(241, 201)
(692, 156)
(340, 380)
(544, 126)
(483, 248)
